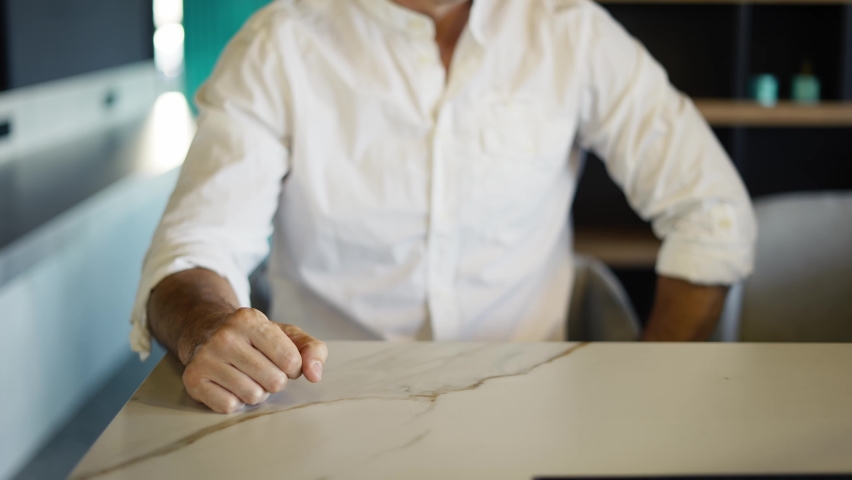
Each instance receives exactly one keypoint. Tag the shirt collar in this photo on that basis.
(418, 25)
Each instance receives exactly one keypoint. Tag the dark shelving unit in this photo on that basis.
(711, 49)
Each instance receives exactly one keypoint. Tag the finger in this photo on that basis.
(258, 367)
(215, 397)
(238, 383)
(278, 348)
(314, 352)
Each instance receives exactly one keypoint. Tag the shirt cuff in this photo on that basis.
(704, 264)
(155, 271)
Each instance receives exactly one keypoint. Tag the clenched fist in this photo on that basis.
(240, 358)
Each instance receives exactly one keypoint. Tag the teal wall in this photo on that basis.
(209, 24)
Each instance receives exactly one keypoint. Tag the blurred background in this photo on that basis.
(95, 121)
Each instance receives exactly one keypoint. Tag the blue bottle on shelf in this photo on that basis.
(764, 89)
(805, 86)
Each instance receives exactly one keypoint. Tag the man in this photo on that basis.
(417, 159)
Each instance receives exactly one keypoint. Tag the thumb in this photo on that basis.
(314, 352)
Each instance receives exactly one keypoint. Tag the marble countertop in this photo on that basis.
(513, 411)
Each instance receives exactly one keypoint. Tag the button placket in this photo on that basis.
(442, 236)
(445, 196)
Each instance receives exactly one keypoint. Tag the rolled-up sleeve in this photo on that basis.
(661, 152)
(220, 214)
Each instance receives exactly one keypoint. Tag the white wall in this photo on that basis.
(54, 112)
(67, 288)
(64, 321)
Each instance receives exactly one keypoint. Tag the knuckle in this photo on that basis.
(255, 396)
(191, 377)
(321, 348)
(277, 382)
(243, 315)
(231, 405)
(292, 330)
(269, 329)
(292, 362)
(226, 337)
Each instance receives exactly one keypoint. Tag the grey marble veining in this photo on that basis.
(429, 410)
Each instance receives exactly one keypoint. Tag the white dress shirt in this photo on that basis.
(403, 200)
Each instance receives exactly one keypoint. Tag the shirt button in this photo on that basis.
(425, 60)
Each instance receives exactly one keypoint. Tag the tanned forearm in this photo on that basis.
(186, 306)
(684, 312)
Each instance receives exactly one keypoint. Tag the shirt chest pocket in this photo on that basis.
(522, 132)
(521, 151)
